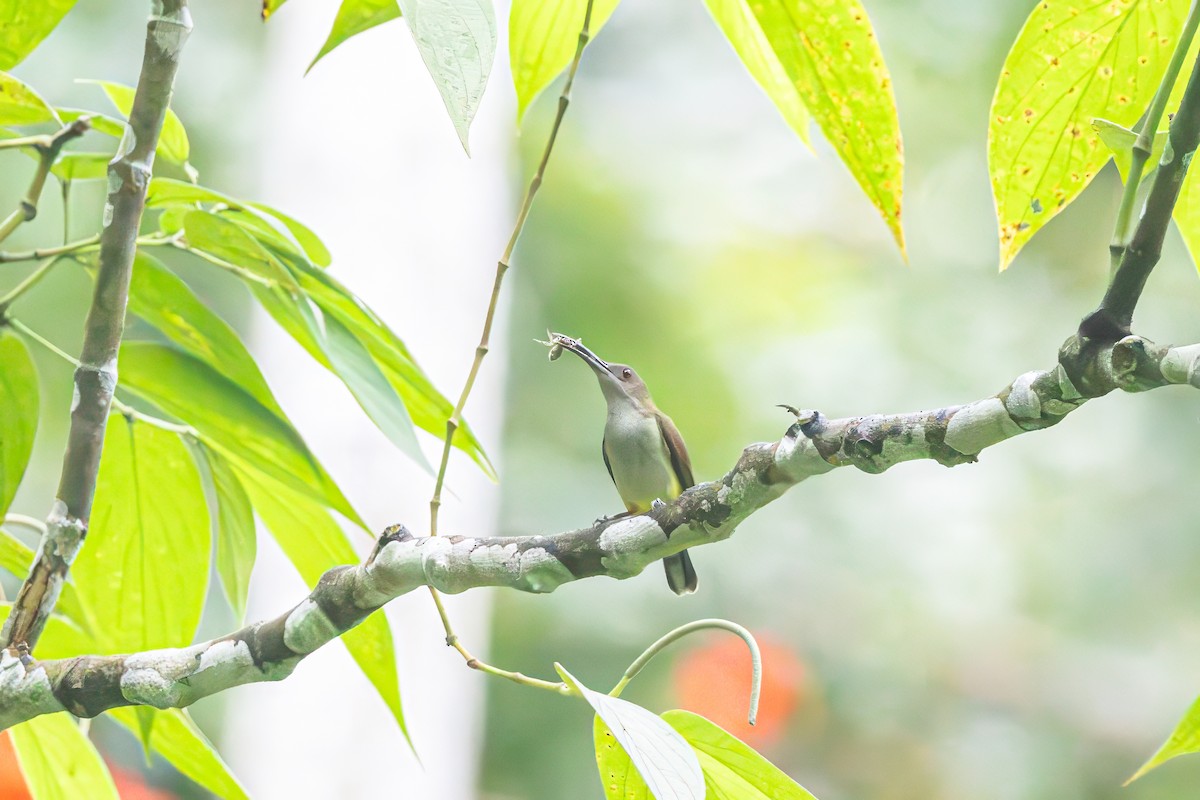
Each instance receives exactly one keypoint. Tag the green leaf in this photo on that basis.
(62, 638)
(180, 741)
(314, 248)
(228, 242)
(59, 762)
(75, 166)
(1119, 140)
(1187, 214)
(741, 28)
(25, 25)
(362, 376)
(1183, 740)
(100, 123)
(172, 141)
(19, 418)
(732, 769)
(334, 346)
(17, 558)
(109, 126)
(354, 17)
(427, 407)
(159, 297)
(228, 418)
(661, 757)
(167, 193)
(144, 573)
(269, 7)
(1069, 65)
(314, 543)
(19, 104)
(236, 542)
(542, 38)
(457, 41)
(830, 55)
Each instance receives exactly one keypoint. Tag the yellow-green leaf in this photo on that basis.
(19, 418)
(172, 141)
(542, 38)
(24, 24)
(237, 544)
(143, 576)
(733, 769)
(829, 53)
(314, 542)
(59, 762)
(21, 105)
(269, 7)
(737, 22)
(1183, 740)
(178, 739)
(1187, 214)
(1070, 64)
(353, 18)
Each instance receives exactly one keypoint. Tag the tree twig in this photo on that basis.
(1147, 130)
(48, 147)
(47, 252)
(481, 349)
(706, 513)
(1112, 320)
(96, 377)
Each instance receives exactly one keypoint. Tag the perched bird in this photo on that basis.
(642, 448)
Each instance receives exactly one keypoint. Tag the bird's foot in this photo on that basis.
(612, 518)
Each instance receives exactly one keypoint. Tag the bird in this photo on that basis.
(643, 450)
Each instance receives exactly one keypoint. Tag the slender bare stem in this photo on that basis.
(691, 627)
(481, 350)
(96, 376)
(24, 286)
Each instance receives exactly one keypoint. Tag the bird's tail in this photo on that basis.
(681, 575)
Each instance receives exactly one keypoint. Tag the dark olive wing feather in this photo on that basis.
(607, 464)
(680, 462)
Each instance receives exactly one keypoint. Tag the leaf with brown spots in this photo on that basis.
(828, 51)
(1070, 64)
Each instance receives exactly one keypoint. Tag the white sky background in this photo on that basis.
(362, 150)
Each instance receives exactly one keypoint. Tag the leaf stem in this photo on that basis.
(455, 420)
(32, 335)
(24, 286)
(692, 627)
(452, 640)
(1143, 146)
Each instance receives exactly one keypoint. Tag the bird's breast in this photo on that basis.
(639, 460)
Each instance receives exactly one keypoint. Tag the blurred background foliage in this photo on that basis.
(1020, 628)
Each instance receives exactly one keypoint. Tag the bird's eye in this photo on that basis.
(626, 373)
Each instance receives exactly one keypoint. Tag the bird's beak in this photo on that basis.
(575, 346)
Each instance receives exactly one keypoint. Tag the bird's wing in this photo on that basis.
(680, 462)
(607, 464)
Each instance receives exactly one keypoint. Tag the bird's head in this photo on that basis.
(617, 381)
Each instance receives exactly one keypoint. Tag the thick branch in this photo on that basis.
(96, 377)
(709, 512)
